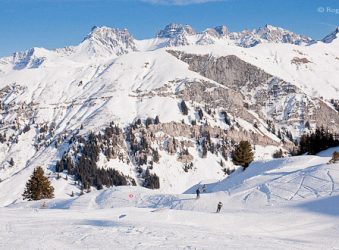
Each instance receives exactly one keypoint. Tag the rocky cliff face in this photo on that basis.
(269, 96)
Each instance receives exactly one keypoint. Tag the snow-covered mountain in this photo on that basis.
(180, 35)
(270, 34)
(103, 41)
(267, 86)
(177, 34)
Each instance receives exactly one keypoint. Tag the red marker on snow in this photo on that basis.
(130, 196)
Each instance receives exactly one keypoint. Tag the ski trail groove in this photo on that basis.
(300, 186)
(332, 181)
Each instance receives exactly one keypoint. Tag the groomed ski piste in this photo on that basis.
(287, 203)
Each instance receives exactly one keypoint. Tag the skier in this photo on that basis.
(198, 193)
(219, 206)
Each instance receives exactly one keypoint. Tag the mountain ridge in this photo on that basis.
(116, 41)
(129, 98)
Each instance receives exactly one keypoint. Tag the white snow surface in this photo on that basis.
(288, 203)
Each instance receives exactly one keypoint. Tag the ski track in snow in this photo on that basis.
(332, 182)
(280, 207)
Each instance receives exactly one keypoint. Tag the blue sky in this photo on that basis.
(58, 23)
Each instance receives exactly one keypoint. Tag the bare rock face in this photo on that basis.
(216, 97)
(185, 158)
(174, 129)
(270, 97)
(171, 146)
(229, 71)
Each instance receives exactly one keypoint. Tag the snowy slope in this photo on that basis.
(283, 180)
(134, 217)
(137, 228)
(272, 182)
(110, 76)
(286, 181)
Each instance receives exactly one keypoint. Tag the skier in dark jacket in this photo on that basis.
(198, 193)
(219, 206)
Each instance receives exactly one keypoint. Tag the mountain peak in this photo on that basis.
(107, 32)
(177, 34)
(275, 34)
(222, 30)
(271, 27)
(330, 37)
(172, 30)
(105, 40)
(268, 28)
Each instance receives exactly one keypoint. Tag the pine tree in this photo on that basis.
(151, 180)
(273, 129)
(243, 154)
(156, 120)
(224, 153)
(156, 157)
(204, 150)
(38, 187)
(226, 118)
(200, 114)
(2, 138)
(148, 122)
(317, 141)
(289, 136)
(184, 108)
(278, 154)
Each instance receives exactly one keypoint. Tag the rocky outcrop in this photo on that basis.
(174, 129)
(269, 96)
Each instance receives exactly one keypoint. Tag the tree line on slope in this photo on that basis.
(82, 163)
(319, 140)
(39, 187)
